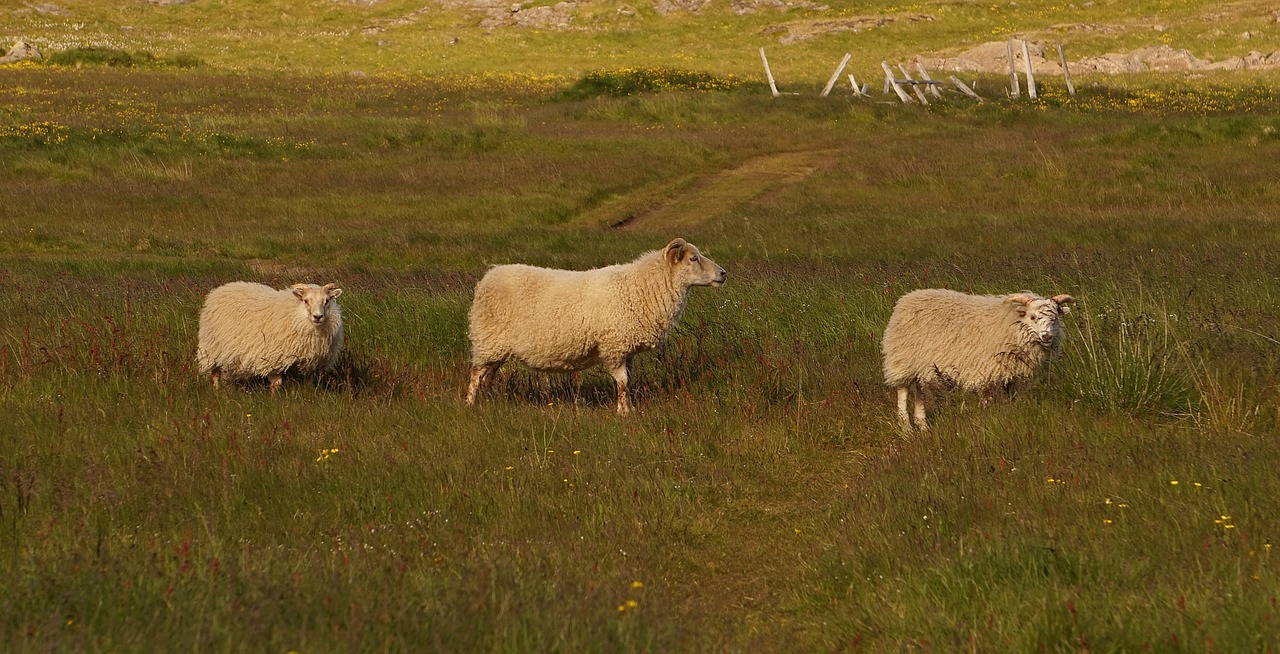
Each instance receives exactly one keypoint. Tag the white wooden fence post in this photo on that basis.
(1015, 90)
(933, 88)
(1071, 88)
(966, 90)
(890, 82)
(914, 87)
(836, 75)
(1031, 78)
(772, 86)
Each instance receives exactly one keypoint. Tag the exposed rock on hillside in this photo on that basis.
(46, 9)
(743, 7)
(501, 14)
(20, 51)
(668, 7)
(993, 57)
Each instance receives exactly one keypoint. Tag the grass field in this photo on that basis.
(762, 497)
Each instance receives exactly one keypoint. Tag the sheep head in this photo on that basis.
(690, 268)
(1041, 317)
(316, 300)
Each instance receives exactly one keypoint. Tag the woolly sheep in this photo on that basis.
(939, 339)
(253, 330)
(564, 320)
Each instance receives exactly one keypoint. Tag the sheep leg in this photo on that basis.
(481, 374)
(921, 423)
(903, 419)
(276, 381)
(216, 375)
(620, 373)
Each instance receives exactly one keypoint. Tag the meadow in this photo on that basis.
(762, 497)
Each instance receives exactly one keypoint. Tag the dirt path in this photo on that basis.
(698, 199)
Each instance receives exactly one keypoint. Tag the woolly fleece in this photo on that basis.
(252, 330)
(563, 320)
(938, 339)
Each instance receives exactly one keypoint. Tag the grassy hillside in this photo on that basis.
(805, 39)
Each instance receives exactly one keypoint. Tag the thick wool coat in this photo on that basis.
(253, 330)
(941, 338)
(566, 320)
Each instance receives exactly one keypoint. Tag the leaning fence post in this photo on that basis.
(906, 77)
(933, 88)
(836, 75)
(1071, 88)
(890, 82)
(1015, 90)
(772, 86)
(857, 90)
(1031, 78)
(964, 88)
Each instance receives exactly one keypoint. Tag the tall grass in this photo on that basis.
(760, 499)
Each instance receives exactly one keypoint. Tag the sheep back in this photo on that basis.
(938, 337)
(253, 330)
(564, 320)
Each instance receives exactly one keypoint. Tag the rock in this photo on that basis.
(668, 7)
(993, 57)
(48, 9)
(21, 51)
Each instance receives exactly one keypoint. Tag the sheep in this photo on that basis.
(565, 320)
(939, 339)
(253, 330)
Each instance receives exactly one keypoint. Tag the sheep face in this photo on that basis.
(315, 300)
(1042, 317)
(690, 268)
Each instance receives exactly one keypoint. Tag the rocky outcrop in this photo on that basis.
(20, 52)
(993, 57)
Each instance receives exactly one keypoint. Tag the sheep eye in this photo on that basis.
(693, 258)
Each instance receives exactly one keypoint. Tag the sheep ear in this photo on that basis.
(1020, 299)
(676, 250)
(299, 290)
(332, 290)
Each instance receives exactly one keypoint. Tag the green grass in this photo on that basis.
(762, 497)
(803, 42)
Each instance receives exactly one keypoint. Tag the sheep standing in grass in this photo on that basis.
(940, 339)
(565, 320)
(253, 330)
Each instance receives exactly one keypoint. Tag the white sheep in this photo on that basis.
(565, 320)
(253, 330)
(939, 339)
